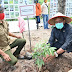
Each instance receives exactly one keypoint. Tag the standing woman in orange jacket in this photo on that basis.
(38, 13)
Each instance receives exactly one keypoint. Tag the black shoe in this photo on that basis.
(24, 57)
(28, 56)
(20, 57)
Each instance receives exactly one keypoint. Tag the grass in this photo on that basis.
(41, 1)
(17, 19)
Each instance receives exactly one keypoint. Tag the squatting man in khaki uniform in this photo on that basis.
(5, 44)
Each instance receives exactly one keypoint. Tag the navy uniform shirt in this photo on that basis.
(62, 38)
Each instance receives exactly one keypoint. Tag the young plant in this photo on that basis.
(40, 51)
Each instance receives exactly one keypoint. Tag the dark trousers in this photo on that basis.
(18, 42)
(37, 21)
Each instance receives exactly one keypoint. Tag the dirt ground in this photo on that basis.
(61, 64)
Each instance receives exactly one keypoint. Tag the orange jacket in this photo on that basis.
(38, 9)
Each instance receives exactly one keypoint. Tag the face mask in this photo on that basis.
(2, 15)
(59, 25)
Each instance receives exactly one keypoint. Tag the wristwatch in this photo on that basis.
(56, 55)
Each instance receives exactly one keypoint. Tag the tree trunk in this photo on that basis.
(61, 6)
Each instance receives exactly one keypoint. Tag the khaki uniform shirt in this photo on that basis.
(4, 40)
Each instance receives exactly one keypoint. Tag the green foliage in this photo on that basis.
(11, 19)
(41, 1)
(17, 19)
(40, 51)
(52, 26)
(71, 21)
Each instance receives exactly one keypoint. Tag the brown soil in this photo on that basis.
(61, 64)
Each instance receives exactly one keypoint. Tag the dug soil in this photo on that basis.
(60, 64)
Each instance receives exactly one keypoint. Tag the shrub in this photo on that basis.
(40, 51)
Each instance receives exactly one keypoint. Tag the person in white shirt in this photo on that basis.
(45, 13)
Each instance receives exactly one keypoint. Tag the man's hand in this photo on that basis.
(6, 57)
(39, 15)
(18, 36)
(48, 58)
(10, 34)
